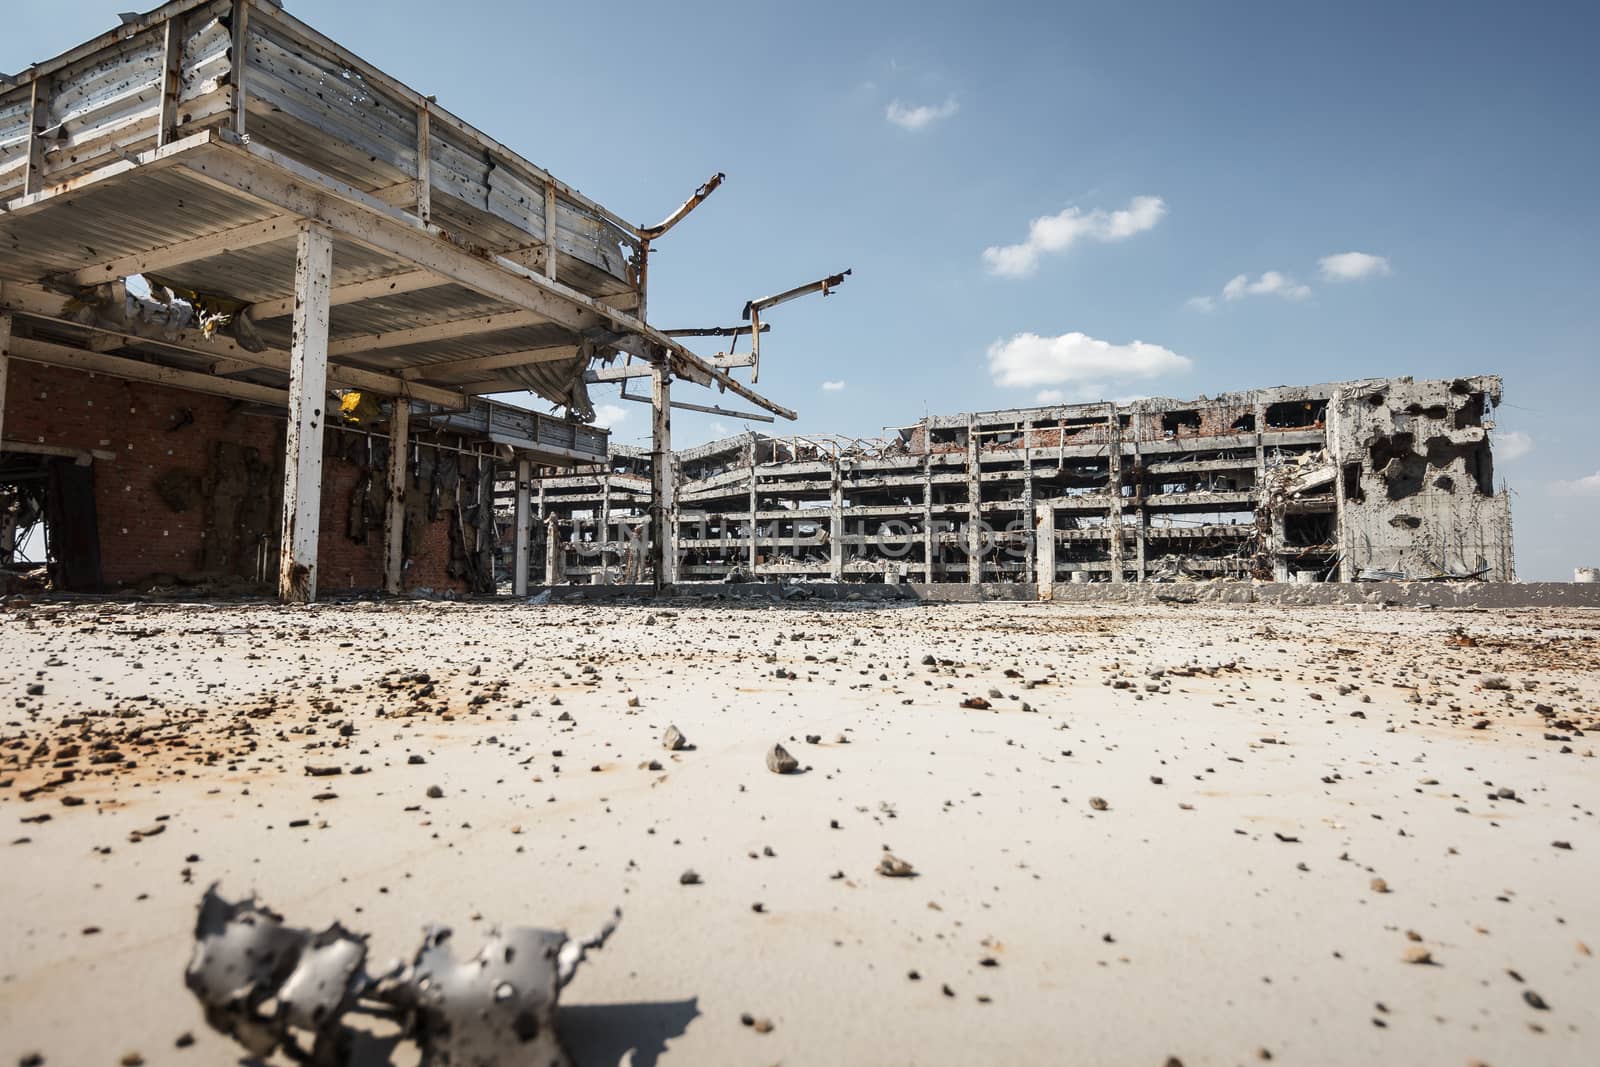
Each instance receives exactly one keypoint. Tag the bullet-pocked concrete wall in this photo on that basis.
(1416, 480)
(170, 446)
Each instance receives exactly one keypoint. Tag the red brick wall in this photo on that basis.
(140, 534)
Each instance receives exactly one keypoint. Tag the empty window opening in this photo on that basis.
(1473, 412)
(1396, 460)
(1474, 457)
(1180, 422)
(1297, 414)
(1310, 530)
(1352, 483)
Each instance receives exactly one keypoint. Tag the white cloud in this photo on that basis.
(1200, 303)
(1082, 363)
(921, 116)
(720, 430)
(1352, 266)
(1511, 444)
(1589, 485)
(1049, 396)
(608, 415)
(832, 386)
(1270, 283)
(1057, 233)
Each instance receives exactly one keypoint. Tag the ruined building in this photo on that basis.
(1381, 478)
(253, 292)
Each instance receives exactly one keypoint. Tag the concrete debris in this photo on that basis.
(780, 762)
(892, 866)
(270, 986)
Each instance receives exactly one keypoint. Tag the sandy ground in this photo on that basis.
(1310, 852)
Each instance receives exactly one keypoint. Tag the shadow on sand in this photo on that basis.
(595, 1035)
(599, 1035)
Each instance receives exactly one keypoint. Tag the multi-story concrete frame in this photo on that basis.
(1379, 477)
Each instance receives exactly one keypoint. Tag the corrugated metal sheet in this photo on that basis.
(319, 105)
(315, 102)
(135, 213)
(266, 272)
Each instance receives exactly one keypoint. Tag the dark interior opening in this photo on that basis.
(1352, 483)
(1474, 456)
(1179, 421)
(1308, 530)
(1471, 413)
(1402, 468)
(48, 525)
(1296, 414)
(1245, 423)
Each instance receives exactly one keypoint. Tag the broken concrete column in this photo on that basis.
(399, 479)
(553, 557)
(663, 504)
(308, 397)
(1044, 550)
(523, 529)
(5, 366)
(836, 525)
(974, 505)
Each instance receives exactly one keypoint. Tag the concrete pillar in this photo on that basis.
(836, 525)
(522, 531)
(1044, 549)
(308, 397)
(1141, 529)
(751, 458)
(5, 367)
(1114, 488)
(663, 506)
(552, 550)
(927, 505)
(1028, 574)
(974, 506)
(399, 481)
(1265, 524)
(605, 526)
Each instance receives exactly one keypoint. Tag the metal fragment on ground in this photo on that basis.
(270, 986)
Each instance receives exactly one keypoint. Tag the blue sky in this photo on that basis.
(1173, 147)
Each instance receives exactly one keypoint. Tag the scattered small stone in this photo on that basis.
(689, 877)
(892, 866)
(1099, 803)
(434, 792)
(673, 740)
